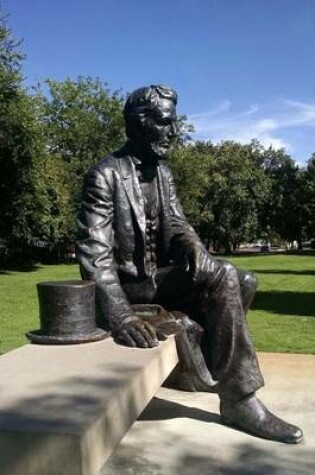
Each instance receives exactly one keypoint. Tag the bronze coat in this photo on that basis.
(111, 230)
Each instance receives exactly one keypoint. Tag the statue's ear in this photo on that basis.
(136, 125)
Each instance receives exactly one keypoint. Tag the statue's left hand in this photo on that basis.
(198, 263)
(135, 332)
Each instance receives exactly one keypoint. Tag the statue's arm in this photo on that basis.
(186, 246)
(94, 249)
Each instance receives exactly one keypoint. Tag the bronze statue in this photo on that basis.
(136, 244)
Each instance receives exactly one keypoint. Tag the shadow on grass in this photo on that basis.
(284, 271)
(19, 268)
(286, 303)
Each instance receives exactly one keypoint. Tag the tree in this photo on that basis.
(283, 212)
(222, 188)
(190, 165)
(10, 66)
(238, 187)
(10, 79)
(308, 186)
(82, 121)
(20, 146)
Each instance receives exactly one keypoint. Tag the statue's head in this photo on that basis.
(150, 116)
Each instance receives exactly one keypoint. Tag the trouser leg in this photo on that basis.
(228, 347)
(248, 285)
(219, 305)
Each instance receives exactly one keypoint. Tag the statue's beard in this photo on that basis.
(147, 147)
(150, 152)
(159, 150)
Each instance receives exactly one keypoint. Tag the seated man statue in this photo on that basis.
(134, 241)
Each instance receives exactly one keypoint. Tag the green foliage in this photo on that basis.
(308, 181)
(10, 79)
(233, 193)
(20, 146)
(222, 188)
(238, 187)
(83, 119)
(54, 190)
(190, 166)
(283, 211)
(82, 122)
(10, 65)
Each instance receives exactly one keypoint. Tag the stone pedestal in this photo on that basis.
(64, 408)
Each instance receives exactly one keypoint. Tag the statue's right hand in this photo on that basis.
(136, 333)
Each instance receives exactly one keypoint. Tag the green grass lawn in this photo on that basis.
(282, 316)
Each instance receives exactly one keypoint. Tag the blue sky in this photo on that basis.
(243, 69)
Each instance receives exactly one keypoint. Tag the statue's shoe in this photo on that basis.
(251, 415)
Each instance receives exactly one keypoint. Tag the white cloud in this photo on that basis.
(223, 107)
(265, 122)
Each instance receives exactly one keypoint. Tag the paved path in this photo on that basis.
(180, 433)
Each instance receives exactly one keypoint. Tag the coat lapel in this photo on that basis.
(132, 187)
(164, 192)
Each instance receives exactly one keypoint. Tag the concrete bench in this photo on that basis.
(64, 408)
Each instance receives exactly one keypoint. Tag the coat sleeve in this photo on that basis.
(183, 236)
(95, 244)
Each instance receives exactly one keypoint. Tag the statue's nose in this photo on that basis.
(173, 130)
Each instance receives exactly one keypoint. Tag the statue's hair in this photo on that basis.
(143, 101)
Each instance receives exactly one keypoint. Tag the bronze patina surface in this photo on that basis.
(67, 313)
(135, 242)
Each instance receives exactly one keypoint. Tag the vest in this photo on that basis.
(149, 188)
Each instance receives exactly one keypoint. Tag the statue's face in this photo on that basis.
(158, 129)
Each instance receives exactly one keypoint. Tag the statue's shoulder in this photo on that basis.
(110, 163)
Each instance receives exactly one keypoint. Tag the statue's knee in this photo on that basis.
(230, 271)
(250, 280)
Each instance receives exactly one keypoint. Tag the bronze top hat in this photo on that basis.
(67, 313)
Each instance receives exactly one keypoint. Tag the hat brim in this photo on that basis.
(37, 336)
